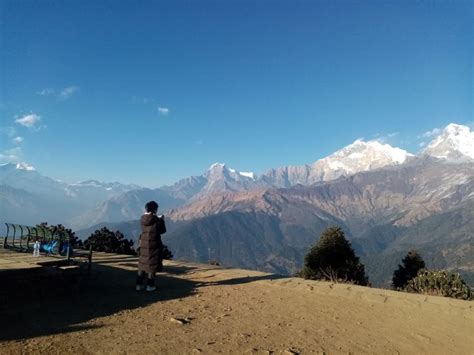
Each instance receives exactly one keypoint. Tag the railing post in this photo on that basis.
(14, 235)
(6, 237)
(21, 235)
(90, 258)
(27, 239)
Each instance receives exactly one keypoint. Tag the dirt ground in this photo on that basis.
(207, 309)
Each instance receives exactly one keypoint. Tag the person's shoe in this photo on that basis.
(150, 288)
(139, 287)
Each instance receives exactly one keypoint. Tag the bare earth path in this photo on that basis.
(206, 309)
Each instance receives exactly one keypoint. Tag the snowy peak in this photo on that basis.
(362, 155)
(17, 166)
(456, 142)
(217, 166)
(248, 174)
(375, 148)
(220, 170)
(220, 178)
(357, 157)
(25, 166)
(105, 185)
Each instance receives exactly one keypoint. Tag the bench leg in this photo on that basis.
(90, 258)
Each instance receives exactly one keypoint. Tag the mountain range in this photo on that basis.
(386, 199)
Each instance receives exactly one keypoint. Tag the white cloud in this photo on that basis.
(17, 140)
(8, 131)
(385, 138)
(422, 144)
(147, 100)
(429, 134)
(46, 92)
(14, 155)
(163, 111)
(62, 94)
(29, 120)
(66, 93)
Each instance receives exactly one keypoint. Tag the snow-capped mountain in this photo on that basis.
(90, 192)
(25, 177)
(361, 156)
(456, 142)
(26, 193)
(356, 157)
(113, 202)
(129, 205)
(220, 170)
(221, 178)
(93, 192)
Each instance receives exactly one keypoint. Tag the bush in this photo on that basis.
(440, 283)
(110, 242)
(412, 263)
(167, 254)
(333, 259)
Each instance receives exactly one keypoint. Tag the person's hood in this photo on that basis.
(148, 219)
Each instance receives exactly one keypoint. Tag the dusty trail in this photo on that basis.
(206, 309)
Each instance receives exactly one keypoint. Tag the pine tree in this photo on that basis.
(332, 258)
(412, 263)
(110, 242)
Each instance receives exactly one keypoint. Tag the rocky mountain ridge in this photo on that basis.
(357, 157)
(91, 202)
(426, 203)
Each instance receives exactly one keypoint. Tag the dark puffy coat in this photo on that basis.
(151, 247)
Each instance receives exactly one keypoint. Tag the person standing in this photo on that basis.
(150, 259)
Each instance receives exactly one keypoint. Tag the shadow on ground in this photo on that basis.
(45, 301)
(243, 280)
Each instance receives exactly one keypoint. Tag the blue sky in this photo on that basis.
(152, 91)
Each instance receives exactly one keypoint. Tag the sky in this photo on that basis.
(149, 92)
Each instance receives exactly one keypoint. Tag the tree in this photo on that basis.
(332, 258)
(61, 230)
(110, 242)
(412, 263)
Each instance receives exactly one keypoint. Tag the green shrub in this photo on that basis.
(333, 259)
(440, 283)
(110, 242)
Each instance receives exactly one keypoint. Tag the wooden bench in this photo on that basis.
(21, 238)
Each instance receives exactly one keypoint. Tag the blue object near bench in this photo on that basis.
(54, 243)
